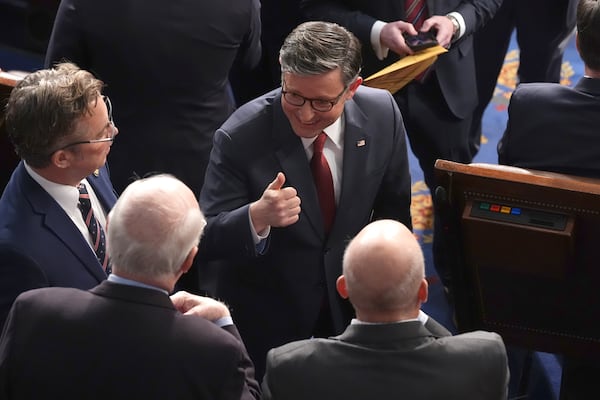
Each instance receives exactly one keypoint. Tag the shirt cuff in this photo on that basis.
(380, 51)
(461, 23)
(258, 237)
(224, 321)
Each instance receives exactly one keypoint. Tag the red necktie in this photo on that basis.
(323, 181)
(416, 12)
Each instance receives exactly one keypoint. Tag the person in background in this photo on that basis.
(554, 128)
(53, 210)
(166, 65)
(542, 27)
(438, 106)
(126, 338)
(293, 174)
(391, 349)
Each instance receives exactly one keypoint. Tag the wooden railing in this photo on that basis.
(8, 158)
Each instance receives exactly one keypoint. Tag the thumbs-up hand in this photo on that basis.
(278, 206)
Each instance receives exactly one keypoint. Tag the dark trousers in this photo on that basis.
(434, 133)
(542, 28)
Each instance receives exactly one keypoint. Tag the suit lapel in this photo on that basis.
(104, 192)
(58, 223)
(294, 163)
(356, 151)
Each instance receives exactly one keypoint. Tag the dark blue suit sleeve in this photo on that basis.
(18, 273)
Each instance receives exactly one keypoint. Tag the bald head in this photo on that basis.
(153, 227)
(383, 272)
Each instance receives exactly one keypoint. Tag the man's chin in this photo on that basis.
(306, 132)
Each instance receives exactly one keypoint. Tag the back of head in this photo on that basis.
(384, 270)
(43, 110)
(588, 32)
(317, 47)
(153, 227)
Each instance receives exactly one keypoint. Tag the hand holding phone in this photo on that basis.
(420, 41)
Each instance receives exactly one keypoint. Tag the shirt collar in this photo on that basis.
(65, 195)
(124, 281)
(333, 131)
(422, 318)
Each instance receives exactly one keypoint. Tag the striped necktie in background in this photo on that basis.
(416, 12)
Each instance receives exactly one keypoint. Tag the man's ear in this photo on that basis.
(187, 263)
(353, 87)
(340, 285)
(423, 293)
(61, 159)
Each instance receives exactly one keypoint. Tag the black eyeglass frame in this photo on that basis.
(110, 138)
(329, 104)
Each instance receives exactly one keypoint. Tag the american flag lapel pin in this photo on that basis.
(361, 143)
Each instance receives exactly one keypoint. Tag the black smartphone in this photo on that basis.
(420, 41)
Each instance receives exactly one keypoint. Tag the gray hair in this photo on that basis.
(317, 47)
(44, 108)
(154, 225)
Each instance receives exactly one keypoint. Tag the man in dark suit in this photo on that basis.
(278, 232)
(125, 338)
(555, 128)
(389, 350)
(166, 66)
(543, 28)
(437, 108)
(62, 130)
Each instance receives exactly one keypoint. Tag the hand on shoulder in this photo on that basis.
(205, 307)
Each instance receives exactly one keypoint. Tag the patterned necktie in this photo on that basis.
(416, 12)
(323, 181)
(95, 229)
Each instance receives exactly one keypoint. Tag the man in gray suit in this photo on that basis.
(390, 349)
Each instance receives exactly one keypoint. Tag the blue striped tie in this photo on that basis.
(95, 229)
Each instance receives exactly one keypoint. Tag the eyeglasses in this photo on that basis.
(110, 125)
(320, 105)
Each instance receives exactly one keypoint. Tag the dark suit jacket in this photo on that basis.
(166, 66)
(276, 297)
(389, 361)
(118, 342)
(554, 128)
(455, 70)
(39, 244)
